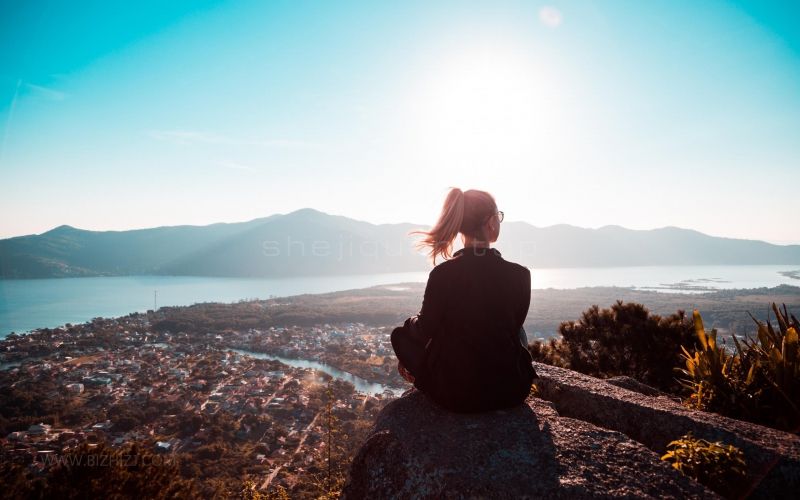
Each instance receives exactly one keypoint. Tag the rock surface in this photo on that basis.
(772, 456)
(634, 385)
(417, 450)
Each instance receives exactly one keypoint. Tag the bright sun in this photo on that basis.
(486, 102)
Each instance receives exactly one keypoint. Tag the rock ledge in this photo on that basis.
(417, 450)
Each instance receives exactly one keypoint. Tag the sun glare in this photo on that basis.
(487, 105)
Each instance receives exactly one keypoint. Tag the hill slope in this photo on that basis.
(312, 243)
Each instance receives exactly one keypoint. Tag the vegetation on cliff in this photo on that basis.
(757, 379)
(625, 339)
(758, 382)
(719, 466)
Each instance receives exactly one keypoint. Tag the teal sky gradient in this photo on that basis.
(641, 114)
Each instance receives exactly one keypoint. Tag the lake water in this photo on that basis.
(362, 385)
(29, 304)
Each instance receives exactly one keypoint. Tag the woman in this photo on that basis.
(465, 348)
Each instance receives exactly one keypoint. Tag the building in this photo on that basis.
(38, 429)
(75, 388)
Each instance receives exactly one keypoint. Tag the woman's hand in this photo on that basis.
(405, 373)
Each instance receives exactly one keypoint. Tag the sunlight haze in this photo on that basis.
(589, 113)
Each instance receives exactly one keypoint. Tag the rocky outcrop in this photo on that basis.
(585, 438)
(417, 450)
(634, 385)
(772, 456)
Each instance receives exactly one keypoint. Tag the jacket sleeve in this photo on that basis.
(526, 296)
(431, 315)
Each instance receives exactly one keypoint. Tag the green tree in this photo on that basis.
(625, 339)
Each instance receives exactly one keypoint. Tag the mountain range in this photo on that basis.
(308, 242)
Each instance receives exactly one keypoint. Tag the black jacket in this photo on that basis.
(473, 310)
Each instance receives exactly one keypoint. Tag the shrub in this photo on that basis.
(718, 466)
(759, 382)
(625, 339)
(709, 373)
(770, 368)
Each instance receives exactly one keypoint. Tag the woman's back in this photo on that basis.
(474, 307)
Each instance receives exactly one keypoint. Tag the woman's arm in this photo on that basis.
(431, 315)
(526, 296)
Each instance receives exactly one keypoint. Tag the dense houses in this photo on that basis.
(170, 389)
(364, 351)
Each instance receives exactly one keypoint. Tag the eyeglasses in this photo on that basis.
(500, 216)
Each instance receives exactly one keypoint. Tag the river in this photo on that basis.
(362, 385)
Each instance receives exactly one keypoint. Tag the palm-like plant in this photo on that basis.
(760, 382)
(708, 371)
(771, 363)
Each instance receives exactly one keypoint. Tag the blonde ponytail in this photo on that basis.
(440, 238)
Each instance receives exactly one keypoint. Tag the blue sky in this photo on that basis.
(641, 114)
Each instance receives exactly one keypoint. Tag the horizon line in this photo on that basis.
(771, 242)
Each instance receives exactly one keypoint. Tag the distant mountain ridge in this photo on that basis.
(308, 242)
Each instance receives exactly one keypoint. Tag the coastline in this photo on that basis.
(388, 304)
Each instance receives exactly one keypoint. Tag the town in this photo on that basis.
(194, 396)
(354, 348)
